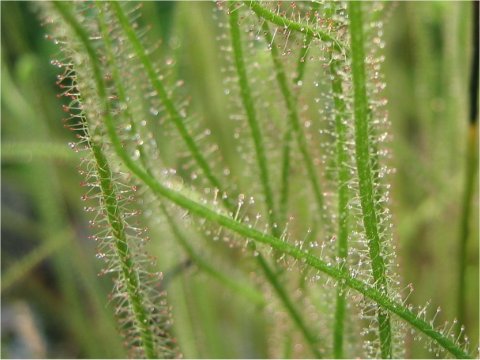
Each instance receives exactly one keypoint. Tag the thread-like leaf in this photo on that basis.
(365, 176)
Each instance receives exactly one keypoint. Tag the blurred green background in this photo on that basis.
(54, 304)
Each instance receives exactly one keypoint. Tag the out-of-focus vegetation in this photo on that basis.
(53, 302)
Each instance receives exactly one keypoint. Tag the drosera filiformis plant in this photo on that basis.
(308, 201)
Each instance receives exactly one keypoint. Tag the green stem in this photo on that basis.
(248, 104)
(302, 57)
(293, 25)
(127, 264)
(470, 173)
(365, 176)
(253, 295)
(284, 187)
(164, 97)
(285, 176)
(293, 118)
(117, 79)
(311, 339)
(262, 163)
(112, 209)
(343, 178)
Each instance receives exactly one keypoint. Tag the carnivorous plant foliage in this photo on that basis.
(307, 200)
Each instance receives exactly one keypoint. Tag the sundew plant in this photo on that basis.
(281, 198)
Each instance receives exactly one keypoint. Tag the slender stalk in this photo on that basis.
(127, 263)
(285, 176)
(248, 104)
(365, 176)
(164, 97)
(284, 187)
(341, 165)
(470, 174)
(253, 295)
(311, 339)
(470, 171)
(117, 79)
(343, 197)
(293, 118)
(293, 25)
(109, 196)
(262, 164)
(302, 57)
(342, 176)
